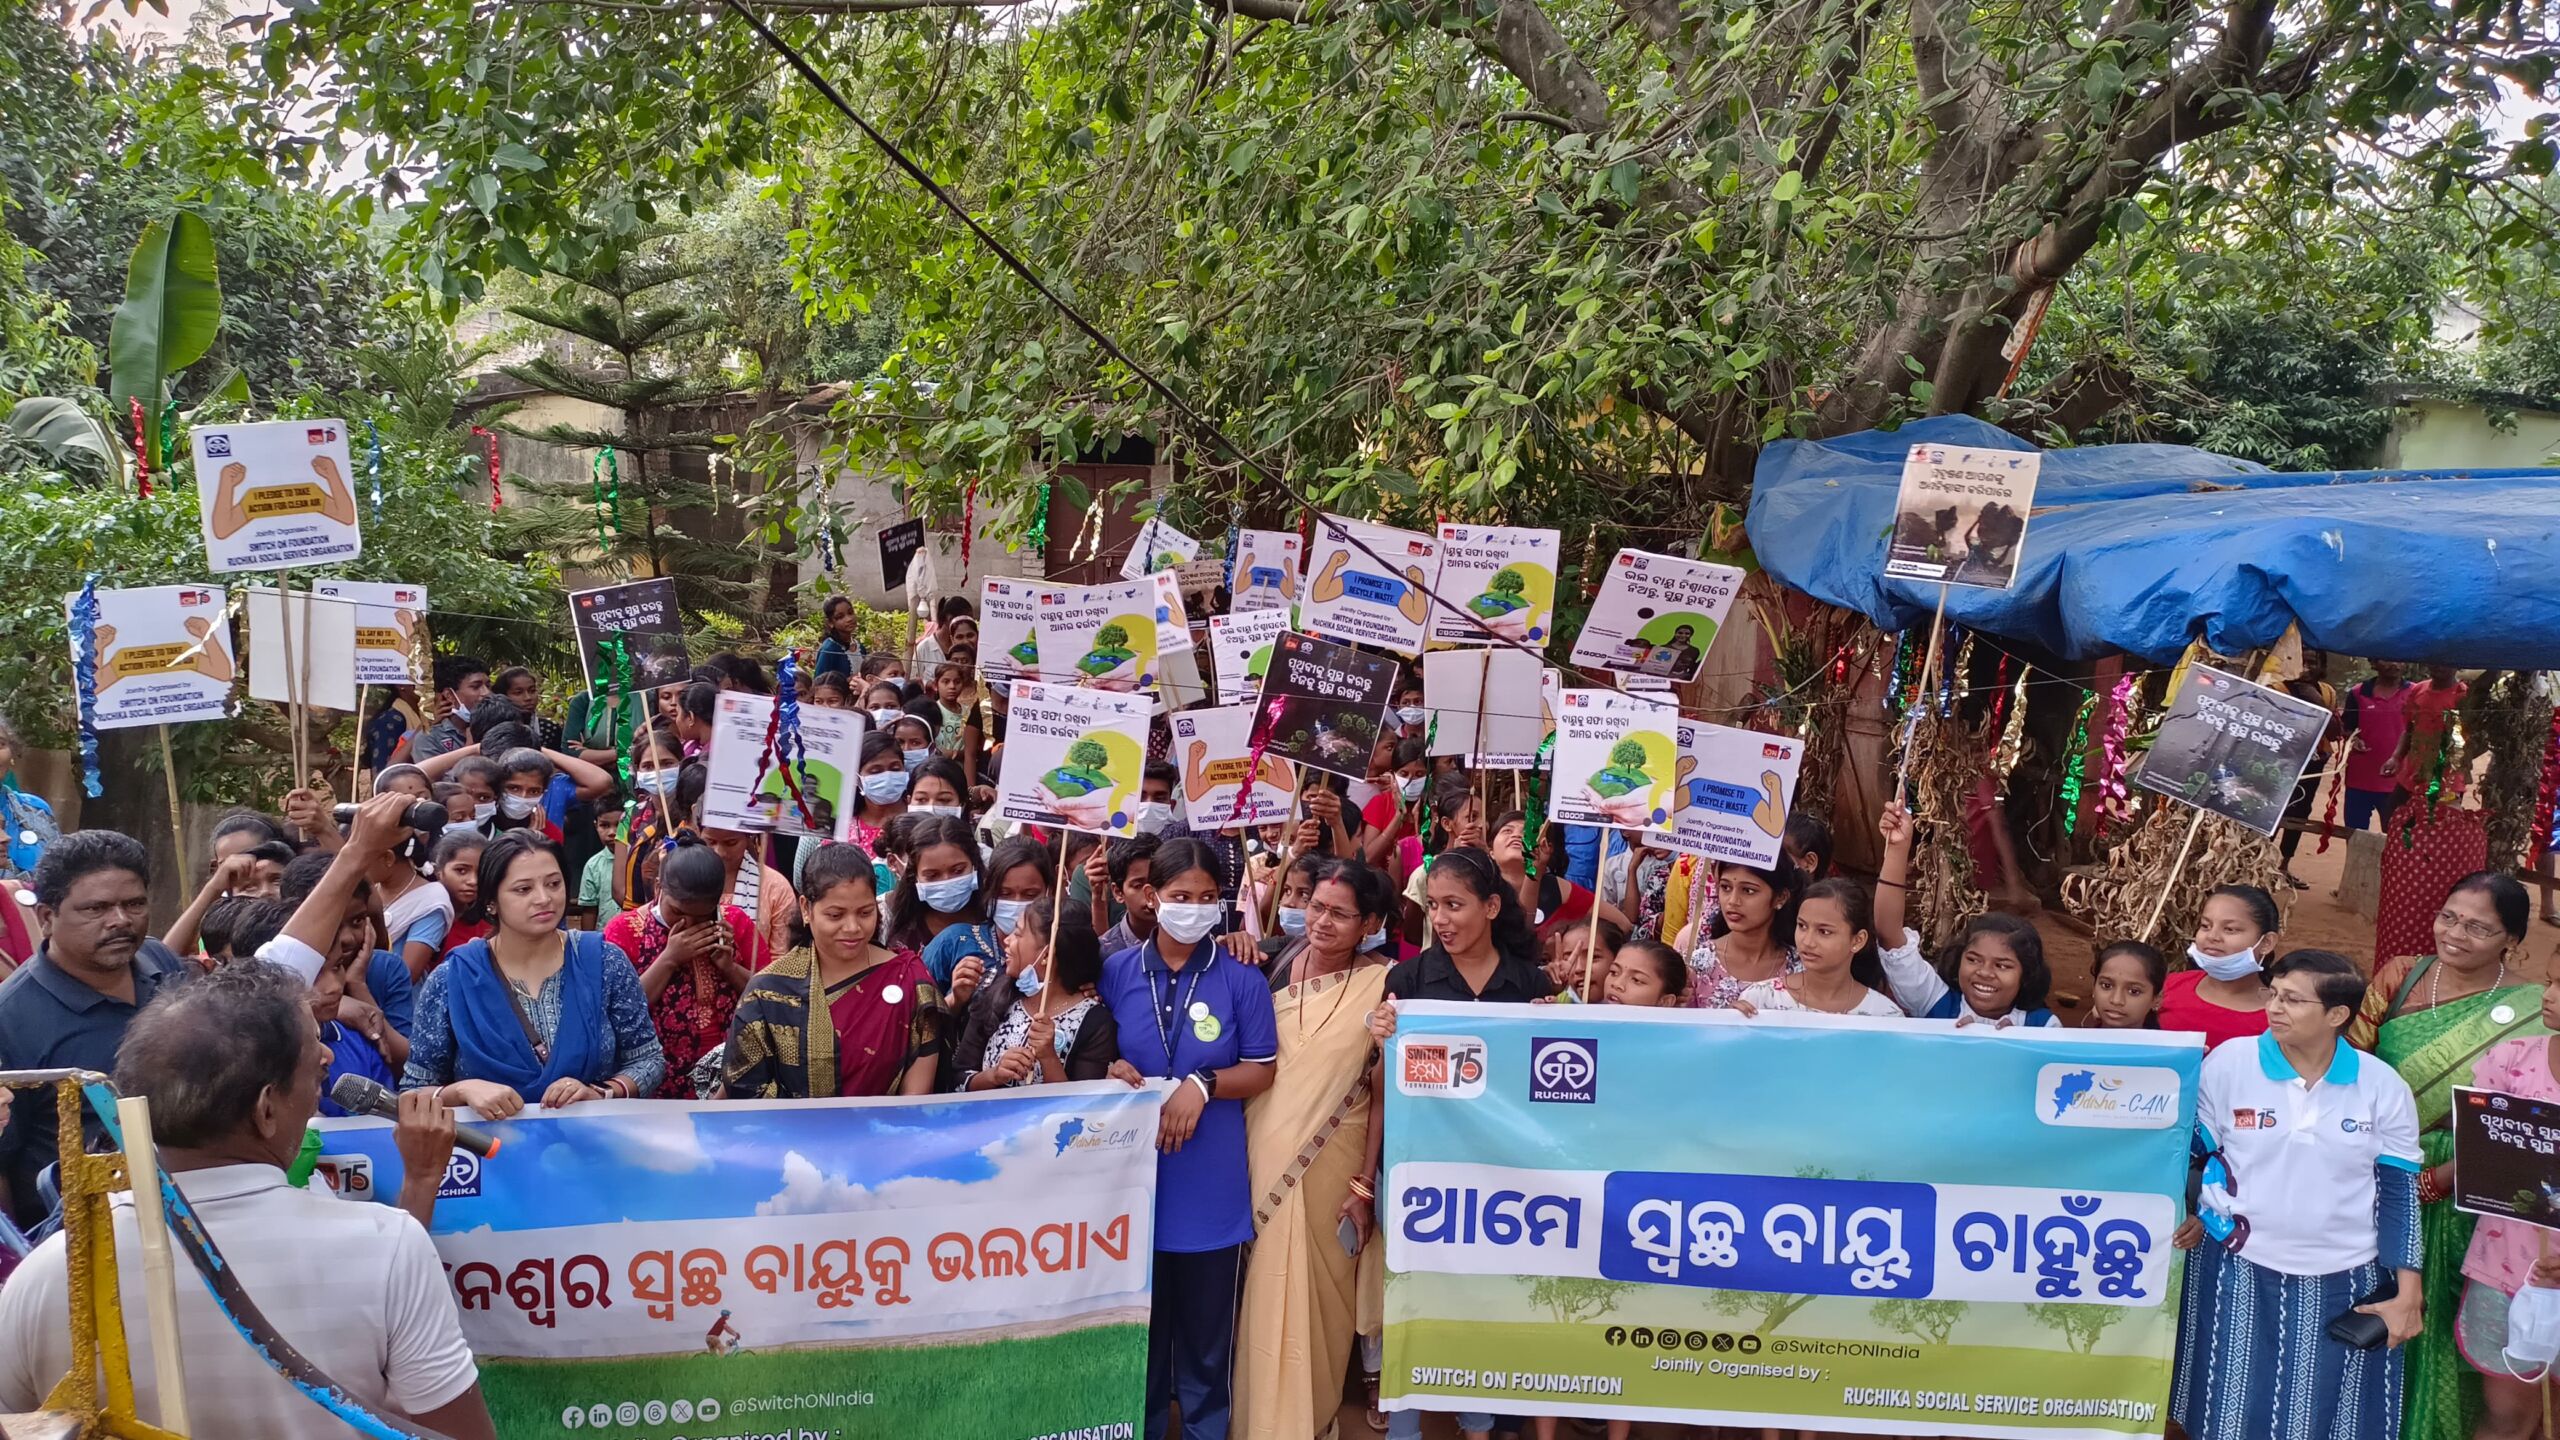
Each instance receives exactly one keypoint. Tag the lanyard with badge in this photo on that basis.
(1203, 1024)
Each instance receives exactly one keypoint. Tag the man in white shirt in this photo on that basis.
(232, 1065)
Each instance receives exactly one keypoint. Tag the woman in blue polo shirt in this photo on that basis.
(1189, 1012)
(2311, 1203)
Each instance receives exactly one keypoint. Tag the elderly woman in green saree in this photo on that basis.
(2429, 1017)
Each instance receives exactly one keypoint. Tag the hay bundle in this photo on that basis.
(2117, 897)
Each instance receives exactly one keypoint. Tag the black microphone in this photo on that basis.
(358, 1096)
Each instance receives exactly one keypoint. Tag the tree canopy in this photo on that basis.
(1443, 256)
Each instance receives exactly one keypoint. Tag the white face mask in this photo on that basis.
(950, 810)
(483, 810)
(2241, 966)
(1412, 787)
(885, 787)
(654, 779)
(1154, 817)
(886, 716)
(2533, 1331)
(1187, 923)
(1028, 982)
(1412, 715)
(1009, 915)
(518, 806)
(1293, 921)
(1376, 940)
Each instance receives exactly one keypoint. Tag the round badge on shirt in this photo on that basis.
(1206, 1027)
(1199, 1009)
(891, 995)
(2503, 1015)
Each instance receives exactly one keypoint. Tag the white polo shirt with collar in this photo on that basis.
(356, 1287)
(2302, 1153)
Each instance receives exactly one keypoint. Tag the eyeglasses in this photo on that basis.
(1332, 912)
(2464, 924)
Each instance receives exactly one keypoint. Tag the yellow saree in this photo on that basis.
(1306, 1137)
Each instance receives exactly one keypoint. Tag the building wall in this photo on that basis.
(2432, 434)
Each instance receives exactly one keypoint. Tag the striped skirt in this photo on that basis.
(2255, 1361)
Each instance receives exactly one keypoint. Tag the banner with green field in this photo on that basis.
(1835, 1223)
(818, 1270)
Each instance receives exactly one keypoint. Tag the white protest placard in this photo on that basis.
(1159, 546)
(1008, 621)
(322, 645)
(1213, 748)
(1178, 681)
(387, 619)
(1616, 760)
(1266, 571)
(1960, 517)
(1173, 616)
(1074, 758)
(164, 655)
(1504, 580)
(1240, 645)
(733, 800)
(1486, 704)
(1369, 584)
(1733, 792)
(1655, 616)
(2233, 747)
(275, 494)
(1102, 637)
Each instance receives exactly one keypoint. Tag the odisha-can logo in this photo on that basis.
(1564, 1069)
(2108, 1097)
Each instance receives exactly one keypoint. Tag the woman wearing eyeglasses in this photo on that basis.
(2430, 1017)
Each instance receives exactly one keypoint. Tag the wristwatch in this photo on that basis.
(1208, 1081)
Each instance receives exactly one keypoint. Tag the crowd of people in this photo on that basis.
(506, 925)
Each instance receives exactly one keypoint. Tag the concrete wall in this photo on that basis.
(2433, 434)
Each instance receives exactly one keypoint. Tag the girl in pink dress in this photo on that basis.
(2507, 1255)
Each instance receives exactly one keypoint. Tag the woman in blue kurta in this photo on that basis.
(533, 1014)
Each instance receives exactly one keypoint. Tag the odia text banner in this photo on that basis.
(834, 1268)
(1833, 1223)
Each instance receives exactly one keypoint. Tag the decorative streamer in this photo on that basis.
(1260, 742)
(1951, 664)
(84, 677)
(1038, 536)
(1233, 530)
(792, 745)
(2435, 782)
(143, 459)
(827, 542)
(2329, 817)
(1898, 679)
(2544, 818)
(2000, 697)
(1534, 814)
(968, 526)
(617, 654)
(604, 483)
(2074, 772)
(497, 492)
(373, 465)
(168, 431)
(2111, 787)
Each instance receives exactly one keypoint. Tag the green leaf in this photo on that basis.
(484, 193)
(513, 156)
(1789, 186)
(172, 309)
(61, 429)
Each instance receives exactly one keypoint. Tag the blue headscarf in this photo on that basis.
(488, 1041)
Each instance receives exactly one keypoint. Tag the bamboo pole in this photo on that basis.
(159, 1274)
(1928, 687)
(177, 820)
(2169, 882)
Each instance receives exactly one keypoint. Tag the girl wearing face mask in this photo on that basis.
(915, 737)
(1997, 976)
(534, 1014)
(1191, 1014)
(1290, 917)
(2225, 996)
(941, 908)
(885, 704)
(882, 780)
(1039, 1023)
(840, 1014)
(1311, 1141)
(2431, 1017)
(2507, 1256)
(1019, 872)
(936, 787)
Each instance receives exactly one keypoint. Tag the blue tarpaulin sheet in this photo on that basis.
(2140, 548)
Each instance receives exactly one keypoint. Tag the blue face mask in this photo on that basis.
(1009, 915)
(1293, 921)
(1377, 941)
(885, 787)
(915, 758)
(1028, 982)
(946, 896)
